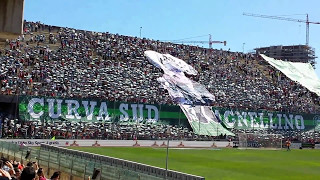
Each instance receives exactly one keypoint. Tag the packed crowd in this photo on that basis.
(240, 84)
(15, 170)
(131, 131)
(96, 130)
(54, 61)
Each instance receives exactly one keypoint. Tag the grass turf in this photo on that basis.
(225, 164)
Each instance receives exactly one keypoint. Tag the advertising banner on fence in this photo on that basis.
(118, 143)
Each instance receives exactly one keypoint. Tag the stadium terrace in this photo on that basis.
(97, 76)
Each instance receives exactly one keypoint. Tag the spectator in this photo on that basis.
(40, 175)
(17, 173)
(28, 173)
(4, 175)
(56, 175)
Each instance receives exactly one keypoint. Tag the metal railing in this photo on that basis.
(82, 164)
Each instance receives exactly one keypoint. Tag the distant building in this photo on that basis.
(11, 16)
(294, 53)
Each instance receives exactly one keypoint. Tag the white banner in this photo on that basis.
(186, 92)
(182, 89)
(203, 121)
(303, 73)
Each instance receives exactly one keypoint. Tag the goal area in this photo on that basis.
(256, 140)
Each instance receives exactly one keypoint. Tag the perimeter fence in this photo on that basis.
(79, 165)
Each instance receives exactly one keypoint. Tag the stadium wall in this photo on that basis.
(11, 16)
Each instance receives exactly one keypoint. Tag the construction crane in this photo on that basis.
(287, 19)
(210, 42)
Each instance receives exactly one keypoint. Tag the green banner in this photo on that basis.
(88, 110)
(92, 110)
(246, 119)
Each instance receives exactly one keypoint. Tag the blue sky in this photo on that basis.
(179, 19)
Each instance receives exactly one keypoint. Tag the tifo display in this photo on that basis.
(80, 84)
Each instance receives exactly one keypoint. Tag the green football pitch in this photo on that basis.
(215, 164)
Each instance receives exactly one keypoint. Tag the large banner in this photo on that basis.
(303, 73)
(91, 110)
(186, 92)
(88, 110)
(248, 119)
(203, 121)
(181, 88)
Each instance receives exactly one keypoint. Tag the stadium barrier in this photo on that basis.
(79, 165)
(119, 143)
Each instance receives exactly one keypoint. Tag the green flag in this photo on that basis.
(53, 138)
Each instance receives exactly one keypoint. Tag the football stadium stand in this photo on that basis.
(64, 62)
